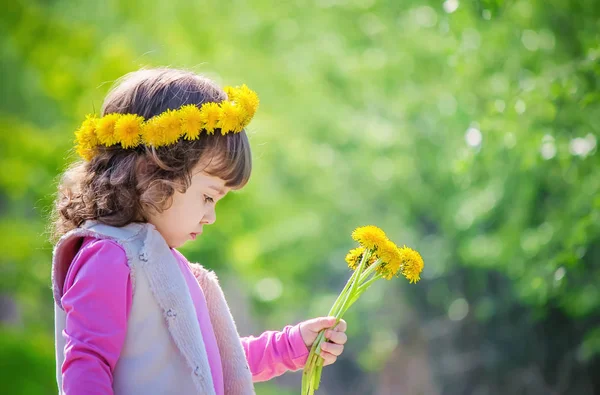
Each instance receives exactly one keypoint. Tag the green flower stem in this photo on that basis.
(349, 299)
(307, 374)
(318, 371)
(342, 300)
(361, 289)
(318, 368)
(369, 271)
(310, 386)
(364, 286)
(317, 377)
(355, 286)
(360, 269)
(312, 371)
(342, 294)
(314, 366)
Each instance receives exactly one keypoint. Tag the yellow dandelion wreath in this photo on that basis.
(188, 122)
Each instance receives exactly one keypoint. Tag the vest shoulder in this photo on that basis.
(124, 233)
(206, 278)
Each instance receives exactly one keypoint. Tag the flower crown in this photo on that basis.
(131, 130)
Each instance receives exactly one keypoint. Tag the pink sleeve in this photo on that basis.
(273, 353)
(97, 298)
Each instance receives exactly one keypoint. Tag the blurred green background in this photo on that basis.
(465, 129)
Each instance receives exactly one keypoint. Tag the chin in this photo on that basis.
(177, 245)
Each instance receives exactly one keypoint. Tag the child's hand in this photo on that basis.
(336, 337)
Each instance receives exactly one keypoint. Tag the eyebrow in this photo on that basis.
(217, 189)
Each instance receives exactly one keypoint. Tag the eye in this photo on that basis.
(208, 199)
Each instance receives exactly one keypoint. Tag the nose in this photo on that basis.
(209, 217)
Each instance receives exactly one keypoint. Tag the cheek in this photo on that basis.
(187, 208)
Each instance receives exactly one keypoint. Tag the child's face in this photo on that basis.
(191, 210)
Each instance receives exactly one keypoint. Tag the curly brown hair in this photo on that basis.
(119, 186)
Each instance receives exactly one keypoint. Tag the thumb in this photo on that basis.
(320, 323)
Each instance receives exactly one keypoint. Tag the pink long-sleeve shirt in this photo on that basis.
(97, 299)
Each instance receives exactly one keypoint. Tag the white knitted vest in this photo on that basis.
(164, 352)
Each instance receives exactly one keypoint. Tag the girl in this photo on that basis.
(132, 315)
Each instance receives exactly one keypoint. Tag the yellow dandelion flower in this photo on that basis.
(191, 121)
(412, 264)
(354, 256)
(86, 153)
(248, 100)
(86, 138)
(128, 129)
(210, 114)
(231, 93)
(369, 236)
(105, 129)
(170, 121)
(390, 258)
(231, 118)
(164, 129)
(152, 133)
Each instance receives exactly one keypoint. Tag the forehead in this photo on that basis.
(227, 157)
(201, 177)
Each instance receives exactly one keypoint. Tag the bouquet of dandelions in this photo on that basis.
(377, 257)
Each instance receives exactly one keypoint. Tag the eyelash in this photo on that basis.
(208, 199)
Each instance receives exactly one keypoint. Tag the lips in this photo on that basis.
(194, 235)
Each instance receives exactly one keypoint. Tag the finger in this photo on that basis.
(336, 337)
(328, 358)
(320, 323)
(332, 348)
(341, 326)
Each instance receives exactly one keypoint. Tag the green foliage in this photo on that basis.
(26, 360)
(466, 130)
